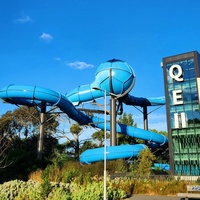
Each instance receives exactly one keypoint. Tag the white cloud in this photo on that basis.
(79, 65)
(58, 59)
(24, 19)
(46, 37)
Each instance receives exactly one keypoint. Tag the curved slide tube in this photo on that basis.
(141, 101)
(162, 166)
(33, 95)
(115, 77)
(132, 132)
(85, 93)
(112, 153)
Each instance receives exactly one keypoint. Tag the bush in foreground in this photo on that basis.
(30, 190)
(159, 187)
(116, 189)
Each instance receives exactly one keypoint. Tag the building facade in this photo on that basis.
(181, 78)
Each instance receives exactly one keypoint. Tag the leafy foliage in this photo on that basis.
(126, 119)
(19, 190)
(159, 187)
(73, 143)
(116, 189)
(87, 145)
(23, 155)
(145, 162)
(99, 137)
(19, 136)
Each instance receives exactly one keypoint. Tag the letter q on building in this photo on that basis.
(176, 72)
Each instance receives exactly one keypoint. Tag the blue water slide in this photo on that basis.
(163, 166)
(124, 151)
(112, 153)
(33, 95)
(141, 101)
(132, 131)
(115, 77)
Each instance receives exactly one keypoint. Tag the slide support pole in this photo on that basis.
(112, 121)
(145, 117)
(41, 134)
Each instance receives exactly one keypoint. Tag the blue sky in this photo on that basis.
(59, 44)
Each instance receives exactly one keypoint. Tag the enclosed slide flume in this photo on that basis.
(115, 77)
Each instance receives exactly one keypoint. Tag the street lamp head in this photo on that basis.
(97, 88)
(111, 94)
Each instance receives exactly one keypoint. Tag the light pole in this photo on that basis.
(104, 172)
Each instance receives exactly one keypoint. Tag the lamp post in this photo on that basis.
(104, 174)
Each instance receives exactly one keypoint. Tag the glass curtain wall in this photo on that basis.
(185, 137)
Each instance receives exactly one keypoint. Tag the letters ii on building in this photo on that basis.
(181, 78)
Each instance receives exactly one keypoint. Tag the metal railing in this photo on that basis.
(188, 179)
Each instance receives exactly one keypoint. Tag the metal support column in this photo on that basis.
(113, 137)
(145, 117)
(41, 134)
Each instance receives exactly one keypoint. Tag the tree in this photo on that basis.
(160, 132)
(145, 162)
(8, 126)
(5, 145)
(126, 119)
(76, 131)
(28, 122)
(87, 145)
(72, 136)
(19, 130)
(23, 154)
(24, 122)
(6, 138)
(162, 154)
(99, 136)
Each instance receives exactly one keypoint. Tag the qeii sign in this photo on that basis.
(180, 119)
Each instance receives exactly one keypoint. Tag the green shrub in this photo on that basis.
(127, 185)
(60, 192)
(198, 180)
(116, 189)
(117, 166)
(70, 175)
(95, 190)
(45, 188)
(159, 187)
(19, 190)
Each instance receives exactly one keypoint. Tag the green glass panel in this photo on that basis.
(190, 131)
(182, 131)
(176, 158)
(198, 131)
